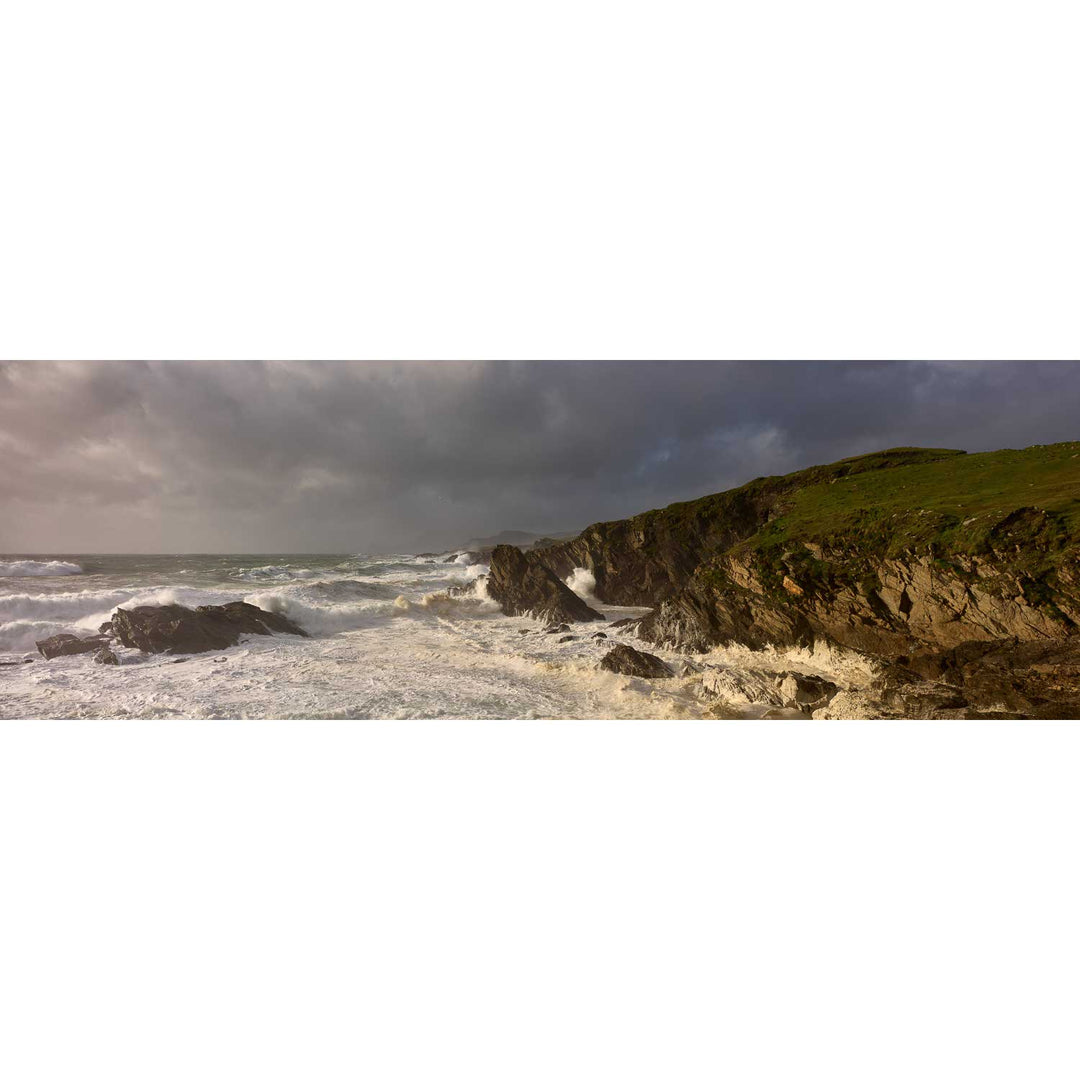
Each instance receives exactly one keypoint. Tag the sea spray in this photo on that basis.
(582, 582)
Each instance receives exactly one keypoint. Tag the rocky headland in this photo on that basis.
(957, 576)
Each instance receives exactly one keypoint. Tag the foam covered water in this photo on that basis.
(396, 636)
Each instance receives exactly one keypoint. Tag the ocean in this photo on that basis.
(388, 641)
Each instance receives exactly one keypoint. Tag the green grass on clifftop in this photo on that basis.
(956, 504)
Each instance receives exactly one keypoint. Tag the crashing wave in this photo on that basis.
(582, 582)
(35, 568)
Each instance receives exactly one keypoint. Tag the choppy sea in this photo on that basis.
(387, 641)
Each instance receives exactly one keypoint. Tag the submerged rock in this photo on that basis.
(173, 628)
(106, 656)
(624, 660)
(598, 634)
(522, 586)
(568, 637)
(69, 645)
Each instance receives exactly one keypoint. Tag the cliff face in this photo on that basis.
(904, 555)
(650, 557)
(898, 605)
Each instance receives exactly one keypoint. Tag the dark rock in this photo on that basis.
(569, 637)
(523, 587)
(106, 656)
(68, 645)
(182, 660)
(707, 613)
(105, 628)
(524, 631)
(598, 634)
(173, 628)
(624, 660)
(560, 629)
(220, 659)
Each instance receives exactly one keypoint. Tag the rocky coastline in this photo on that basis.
(957, 577)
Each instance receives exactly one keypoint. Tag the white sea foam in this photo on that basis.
(34, 568)
(274, 573)
(450, 658)
(388, 640)
(326, 617)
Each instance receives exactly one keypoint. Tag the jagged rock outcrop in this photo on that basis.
(623, 660)
(106, 656)
(521, 586)
(69, 645)
(172, 628)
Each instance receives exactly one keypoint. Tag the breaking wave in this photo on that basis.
(274, 573)
(582, 582)
(34, 568)
(26, 618)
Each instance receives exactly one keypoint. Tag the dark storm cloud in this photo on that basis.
(313, 456)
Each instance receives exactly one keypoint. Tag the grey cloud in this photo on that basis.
(314, 456)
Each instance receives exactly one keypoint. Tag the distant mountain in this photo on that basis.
(515, 537)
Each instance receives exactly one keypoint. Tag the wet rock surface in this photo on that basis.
(172, 628)
(623, 660)
(69, 645)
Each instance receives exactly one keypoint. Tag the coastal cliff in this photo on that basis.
(940, 564)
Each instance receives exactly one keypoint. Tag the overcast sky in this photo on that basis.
(350, 457)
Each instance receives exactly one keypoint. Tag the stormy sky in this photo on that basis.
(350, 457)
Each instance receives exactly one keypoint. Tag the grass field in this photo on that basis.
(957, 504)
